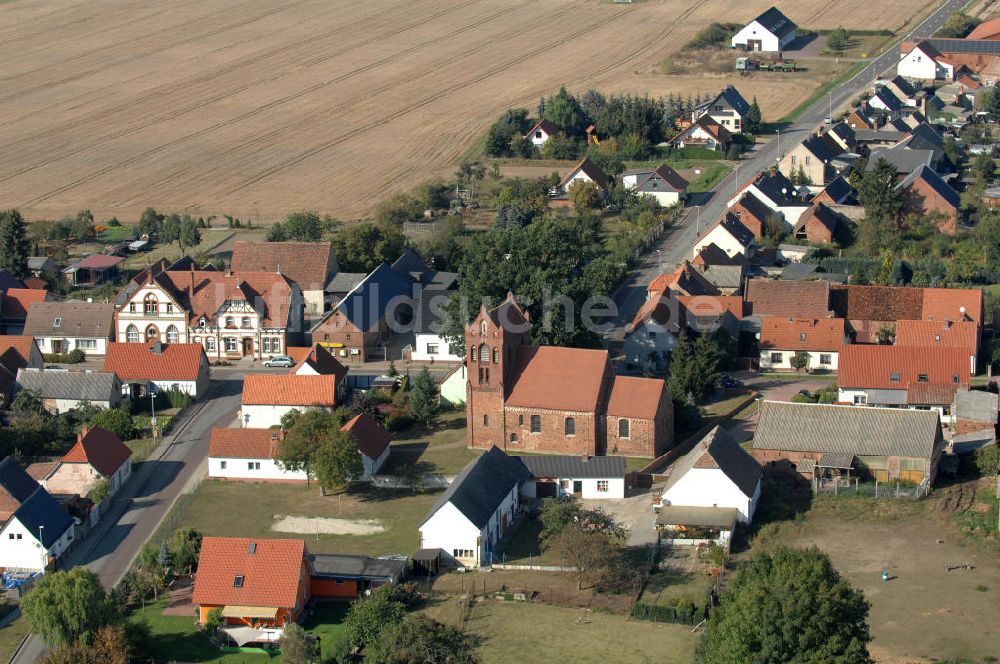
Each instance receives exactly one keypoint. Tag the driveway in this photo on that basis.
(635, 513)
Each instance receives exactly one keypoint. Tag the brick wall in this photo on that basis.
(782, 460)
(921, 198)
(969, 426)
(552, 438)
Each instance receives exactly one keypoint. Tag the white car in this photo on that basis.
(280, 361)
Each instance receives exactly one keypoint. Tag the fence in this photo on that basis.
(875, 489)
(683, 613)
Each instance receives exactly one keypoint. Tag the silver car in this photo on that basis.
(280, 361)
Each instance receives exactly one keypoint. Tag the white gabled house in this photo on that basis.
(61, 327)
(98, 454)
(471, 518)
(268, 397)
(770, 32)
(716, 473)
(36, 529)
(372, 440)
(730, 235)
(541, 132)
(924, 62)
(585, 171)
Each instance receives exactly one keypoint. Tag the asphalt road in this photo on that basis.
(149, 494)
(678, 241)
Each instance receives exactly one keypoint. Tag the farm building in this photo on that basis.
(61, 391)
(772, 31)
(583, 477)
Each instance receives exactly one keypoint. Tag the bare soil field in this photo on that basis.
(258, 107)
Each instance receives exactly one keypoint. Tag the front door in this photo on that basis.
(577, 487)
(58, 346)
(754, 45)
(247, 347)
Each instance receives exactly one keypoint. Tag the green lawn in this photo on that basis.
(438, 450)
(141, 448)
(245, 509)
(668, 586)
(177, 638)
(524, 548)
(518, 632)
(709, 177)
(11, 637)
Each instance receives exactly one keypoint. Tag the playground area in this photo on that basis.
(943, 590)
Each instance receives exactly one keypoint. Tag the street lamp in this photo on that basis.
(41, 543)
(697, 220)
(779, 145)
(659, 261)
(152, 410)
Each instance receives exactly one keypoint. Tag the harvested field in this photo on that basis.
(259, 107)
(309, 525)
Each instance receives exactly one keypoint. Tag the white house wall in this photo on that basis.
(768, 41)
(450, 530)
(372, 466)
(267, 416)
(66, 344)
(564, 487)
(26, 552)
(710, 487)
(454, 386)
(721, 237)
(56, 406)
(786, 358)
(421, 352)
(239, 469)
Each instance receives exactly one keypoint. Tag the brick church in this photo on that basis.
(525, 398)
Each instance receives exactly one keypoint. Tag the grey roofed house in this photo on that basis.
(886, 137)
(976, 405)
(15, 481)
(839, 190)
(776, 187)
(902, 86)
(718, 449)
(482, 485)
(75, 320)
(730, 95)
(344, 282)
(566, 466)
(869, 431)
(967, 443)
(924, 137)
(735, 227)
(905, 161)
(888, 99)
(411, 265)
(928, 175)
(355, 567)
(713, 254)
(724, 277)
(93, 386)
(368, 302)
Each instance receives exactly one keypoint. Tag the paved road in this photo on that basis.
(678, 241)
(146, 499)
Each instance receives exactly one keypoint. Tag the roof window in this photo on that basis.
(238, 582)
(921, 378)
(894, 376)
(57, 322)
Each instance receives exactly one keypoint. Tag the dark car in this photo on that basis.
(728, 381)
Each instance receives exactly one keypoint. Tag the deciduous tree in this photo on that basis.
(337, 461)
(109, 645)
(116, 421)
(65, 607)
(361, 247)
(185, 546)
(299, 647)
(789, 606)
(422, 640)
(306, 434)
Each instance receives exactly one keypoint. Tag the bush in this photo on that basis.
(75, 356)
(116, 421)
(715, 34)
(398, 421)
(987, 460)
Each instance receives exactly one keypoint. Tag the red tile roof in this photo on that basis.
(686, 280)
(805, 299)
(636, 397)
(895, 303)
(873, 367)
(557, 378)
(139, 361)
(289, 390)
(15, 351)
(244, 443)
(371, 437)
(36, 283)
(270, 574)
(309, 264)
(947, 304)
(938, 334)
(812, 334)
(17, 301)
(100, 448)
(320, 360)
(98, 262)
(203, 292)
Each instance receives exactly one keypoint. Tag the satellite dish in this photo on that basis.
(961, 310)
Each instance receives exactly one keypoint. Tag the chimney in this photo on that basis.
(156, 348)
(229, 271)
(279, 269)
(84, 430)
(947, 323)
(191, 284)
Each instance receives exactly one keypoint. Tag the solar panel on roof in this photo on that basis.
(973, 46)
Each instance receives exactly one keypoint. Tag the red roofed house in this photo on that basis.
(870, 309)
(820, 339)
(16, 352)
(14, 305)
(248, 455)
(986, 30)
(259, 586)
(182, 367)
(94, 269)
(556, 400)
(319, 361)
(902, 376)
(267, 397)
(704, 133)
(940, 334)
(372, 440)
(685, 280)
(922, 61)
(98, 454)
(309, 265)
(231, 315)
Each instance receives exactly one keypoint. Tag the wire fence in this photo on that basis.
(892, 489)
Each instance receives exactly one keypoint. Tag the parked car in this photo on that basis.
(728, 381)
(280, 361)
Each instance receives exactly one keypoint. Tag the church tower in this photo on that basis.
(491, 343)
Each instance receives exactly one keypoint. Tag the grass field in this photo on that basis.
(441, 450)
(260, 107)
(924, 611)
(221, 508)
(509, 634)
(11, 637)
(177, 638)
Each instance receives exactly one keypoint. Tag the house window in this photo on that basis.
(266, 344)
(536, 424)
(245, 322)
(894, 377)
(57, 322)
(231, 346)
(472, 354)
(802, 336)
(921, 378)
(149, 304)
(482, 329)
(486, 420)
(222, 465)
(793, 160)
(954, 378)
(432, 349)
(808, 160)
(132, 334)
(463, 553)
(825, 358)
(210, 344)
(131, 307)
(520, 420)
(570, 426)
(88, 344)
(253, 465)
(623, 428)
(152, 334)
(169, 307)
(229, 322)
(776, 358)
(238, 582)
(860, 399)
(513, 438)
(602, 486)
(172, 335)
(538, 134)
(496, 356)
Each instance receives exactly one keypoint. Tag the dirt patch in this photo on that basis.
(282, 105)
(326, 525)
